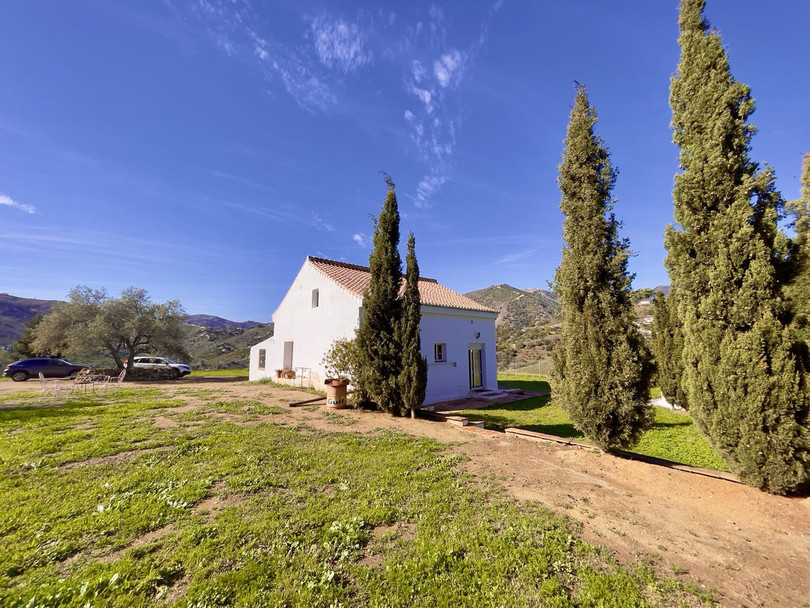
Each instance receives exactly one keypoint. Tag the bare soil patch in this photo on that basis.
(120, 456)
(210, 507)
(139, 542)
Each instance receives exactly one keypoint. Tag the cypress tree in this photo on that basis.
(798, 291)
(413, 380)
(22, 347)
(746, 389)
(667, 347)
(378, 333)
(602, 369)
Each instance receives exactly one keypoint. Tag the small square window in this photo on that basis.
(315, 298)
(262, 358)
(440, 352)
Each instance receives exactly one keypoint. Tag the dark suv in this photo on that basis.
(50, 367)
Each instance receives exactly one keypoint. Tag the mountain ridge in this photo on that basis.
(213, 342)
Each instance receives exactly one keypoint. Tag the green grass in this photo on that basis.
(672, 436)
(312, 518)
(532, 414)
(221, 373)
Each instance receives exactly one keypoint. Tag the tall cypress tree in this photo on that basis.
(667, 347)
(378, 333)
(602, 369)
(798, 291)
(746, 389)
(413, 380)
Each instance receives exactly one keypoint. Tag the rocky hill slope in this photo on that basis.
(224, 346)
(517, 307)
(15, 313)
(527, 327)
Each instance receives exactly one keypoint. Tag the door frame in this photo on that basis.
(475, 363)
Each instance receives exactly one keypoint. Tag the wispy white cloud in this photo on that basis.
(320, 223)
(339, 43)
(225, 21)
(319, 67)
(448, 68)
(234, 28)
(361, 240)
(8, 202)
(428, 186)
(309, 91)
(241, 180)
(433, 121)
(517, 257)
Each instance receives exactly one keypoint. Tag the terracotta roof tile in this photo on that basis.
(431, 293)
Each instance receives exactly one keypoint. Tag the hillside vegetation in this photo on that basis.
(517, 307)
(212, 342)
(225, 347)
(15, 313)
(527, 328)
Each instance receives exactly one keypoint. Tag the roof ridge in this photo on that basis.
(355, 279)
(357, 267)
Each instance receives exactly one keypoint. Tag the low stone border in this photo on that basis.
(477, 425)
(662, 462)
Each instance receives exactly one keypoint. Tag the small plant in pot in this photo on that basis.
(339, 363)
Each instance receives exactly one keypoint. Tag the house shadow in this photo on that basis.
(27, 412)
(537, 386)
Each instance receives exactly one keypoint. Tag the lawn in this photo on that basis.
(222, 373)
(672, 436)
(110, 503)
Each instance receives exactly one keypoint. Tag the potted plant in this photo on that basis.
(338, 363)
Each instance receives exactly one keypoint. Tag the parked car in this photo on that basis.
(50, 367)
(152, 362)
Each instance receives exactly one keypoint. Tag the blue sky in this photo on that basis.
(201, 149)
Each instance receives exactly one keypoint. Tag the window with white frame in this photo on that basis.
(440, 352)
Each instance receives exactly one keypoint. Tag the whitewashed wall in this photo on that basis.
(458, 329)
(312, 330)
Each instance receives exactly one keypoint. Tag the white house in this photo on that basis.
(324, 303)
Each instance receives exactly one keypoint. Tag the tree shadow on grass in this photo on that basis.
(665, 425)
(26, 412)
(526, 385)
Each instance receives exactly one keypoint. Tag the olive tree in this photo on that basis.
(92, 321)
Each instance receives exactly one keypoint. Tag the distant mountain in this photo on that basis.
(662, 288)
(527, 327)
(518, 308)
(15, 313)
(212, 342)
(219, 322)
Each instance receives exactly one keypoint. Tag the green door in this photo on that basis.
(476, 374)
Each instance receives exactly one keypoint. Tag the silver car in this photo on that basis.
(150, 362)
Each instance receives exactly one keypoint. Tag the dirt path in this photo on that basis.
(751, 547)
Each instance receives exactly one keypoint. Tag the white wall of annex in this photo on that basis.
(460, 330)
